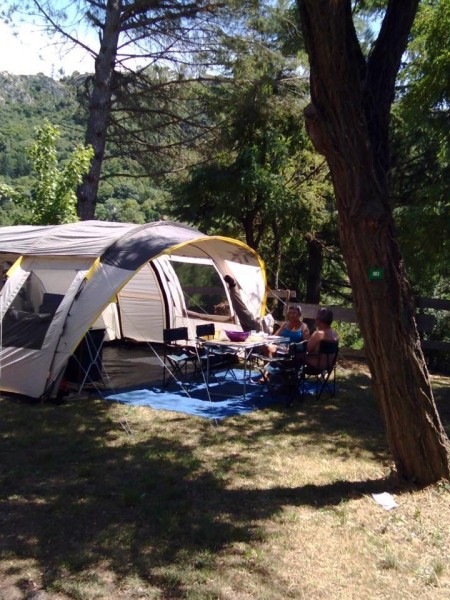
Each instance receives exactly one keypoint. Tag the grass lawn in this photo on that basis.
(105, 501)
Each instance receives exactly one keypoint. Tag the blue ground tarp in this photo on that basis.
(222, 399)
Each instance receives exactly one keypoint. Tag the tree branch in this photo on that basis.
(391, 42)
(61, 31)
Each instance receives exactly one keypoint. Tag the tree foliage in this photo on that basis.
(52, 199)
(134, 35)
(260, 178)
(426, 72)
(421, 151)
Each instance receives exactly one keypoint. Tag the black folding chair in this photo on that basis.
(280, 375)
(205, 330)
(177, 357)
(323, 377)
(85, 366)
(219, 359)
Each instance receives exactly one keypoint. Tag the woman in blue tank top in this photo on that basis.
(293, 328)
(294, 336)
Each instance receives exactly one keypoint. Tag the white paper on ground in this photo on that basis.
(385, 500)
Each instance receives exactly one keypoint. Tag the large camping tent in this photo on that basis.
(132, 280)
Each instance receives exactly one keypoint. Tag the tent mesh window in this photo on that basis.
(202, 287)
(28, 318)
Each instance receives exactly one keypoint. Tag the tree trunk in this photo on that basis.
(276, 255)
(315, 264)
(100, 109)
(348, 122)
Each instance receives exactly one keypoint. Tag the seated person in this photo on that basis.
(312, 357)
(323, 331)
(294, 328)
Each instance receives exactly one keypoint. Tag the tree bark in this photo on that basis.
(100, 109)
(348, 122)
(315, 264)
(276, 254)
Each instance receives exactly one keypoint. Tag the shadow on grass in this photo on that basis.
(348, 424)
(77, 494)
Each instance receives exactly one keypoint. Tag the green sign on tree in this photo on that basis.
(375, 274)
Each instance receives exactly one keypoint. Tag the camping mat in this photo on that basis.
(220, 400)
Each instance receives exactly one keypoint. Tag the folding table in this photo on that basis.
(245, 348)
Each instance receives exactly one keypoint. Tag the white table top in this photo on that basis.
(249, 342)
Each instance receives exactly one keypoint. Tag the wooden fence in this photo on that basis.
(425, 322)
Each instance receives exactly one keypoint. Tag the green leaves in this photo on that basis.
(52, 199)
(427, 71)
(421, 152)
(53, 196)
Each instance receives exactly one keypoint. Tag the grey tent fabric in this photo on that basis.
(64, 280)
(246, 319)
(131, 251)
(94, 238)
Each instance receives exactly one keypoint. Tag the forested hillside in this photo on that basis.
(26, 101)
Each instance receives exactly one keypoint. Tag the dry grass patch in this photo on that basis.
(111, 502)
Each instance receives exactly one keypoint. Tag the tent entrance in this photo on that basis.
(202, 287)
(169, 291)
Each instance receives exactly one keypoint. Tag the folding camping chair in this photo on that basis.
(206, 329)
(322, 377)
(177, 357)
(280, 375)
(218, 359)
(85, 366)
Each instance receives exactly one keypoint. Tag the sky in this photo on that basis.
(26, 50)
(30, 52)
